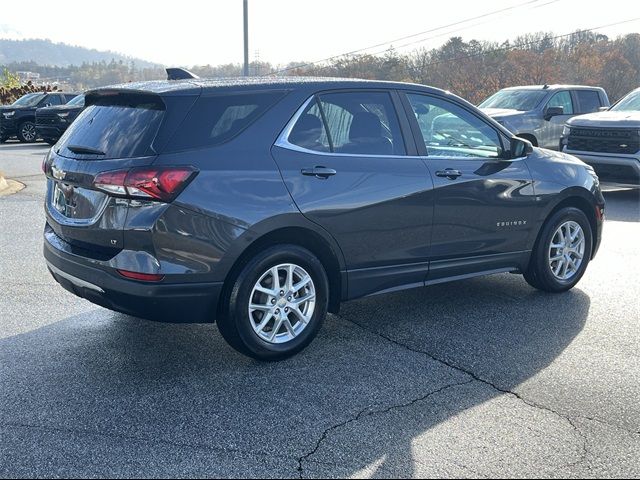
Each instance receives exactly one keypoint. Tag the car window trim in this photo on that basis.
(283, 138)
(419, 138)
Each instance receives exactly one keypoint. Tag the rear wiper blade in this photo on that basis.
(87, 150)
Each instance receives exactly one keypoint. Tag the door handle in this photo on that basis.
(318, 172)
(449, 173)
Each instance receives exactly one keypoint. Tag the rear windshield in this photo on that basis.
(118, 126)
(215, 119)
(77, 101)
(629, 103)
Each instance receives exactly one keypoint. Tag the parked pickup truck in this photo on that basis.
(19, 118)
(52, 122)
(609, 141)
(538, 113)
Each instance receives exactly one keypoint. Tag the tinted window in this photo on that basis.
(360, 123)
(309, 131)
(589, 101)
(562, 99)
(451, 131)
(522, 100)
(216, 119)
(53, 100)
(122, 126)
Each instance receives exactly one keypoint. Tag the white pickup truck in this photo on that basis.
(609, 141)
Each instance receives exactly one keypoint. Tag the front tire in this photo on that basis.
(276, 305)
(27, 132)
(562, 252)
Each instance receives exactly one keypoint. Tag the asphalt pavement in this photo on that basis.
(479, 378)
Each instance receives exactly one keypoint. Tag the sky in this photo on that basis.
(191, 32)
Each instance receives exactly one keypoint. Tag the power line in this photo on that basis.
(353, 52)
(450, 32)
(546, 39)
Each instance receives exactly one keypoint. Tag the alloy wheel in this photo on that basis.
(282, 303)
(566, 251)
(28, 132)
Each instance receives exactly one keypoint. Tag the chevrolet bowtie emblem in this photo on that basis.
(57, 173)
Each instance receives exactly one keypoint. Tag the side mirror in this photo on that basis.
(553, 112)
(520, 147)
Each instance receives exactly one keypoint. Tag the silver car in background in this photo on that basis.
(538, 113)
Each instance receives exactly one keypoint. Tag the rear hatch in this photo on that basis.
(117, 131)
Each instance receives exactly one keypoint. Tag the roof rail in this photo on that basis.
(180, 74)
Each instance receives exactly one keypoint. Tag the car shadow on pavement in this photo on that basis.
(623, 205)
(383, 374)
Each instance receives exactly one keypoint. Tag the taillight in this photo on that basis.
(152, 183)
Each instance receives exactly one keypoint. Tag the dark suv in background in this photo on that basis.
(19, 118)
(52, 122)
(264, 203)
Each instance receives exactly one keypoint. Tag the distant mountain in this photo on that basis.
(45, 52)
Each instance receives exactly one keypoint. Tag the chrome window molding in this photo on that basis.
(283, 142)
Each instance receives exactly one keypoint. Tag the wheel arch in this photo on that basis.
(576, 198)
(301, 236)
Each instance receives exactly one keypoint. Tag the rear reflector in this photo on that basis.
(144, 277)
(152, 183)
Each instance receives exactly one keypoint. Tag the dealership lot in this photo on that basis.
(485, 377)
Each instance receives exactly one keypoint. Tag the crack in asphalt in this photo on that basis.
(476, 377)
(367, 412)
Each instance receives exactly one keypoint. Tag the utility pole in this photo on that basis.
(246, 37)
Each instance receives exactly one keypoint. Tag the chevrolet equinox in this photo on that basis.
(262, 204)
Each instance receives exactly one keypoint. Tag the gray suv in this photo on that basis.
(539, 113)
(261, 204)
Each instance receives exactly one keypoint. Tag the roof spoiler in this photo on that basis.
(180, 74)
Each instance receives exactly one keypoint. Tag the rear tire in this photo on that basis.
(286, 320)
(562, 252)
(27, 132)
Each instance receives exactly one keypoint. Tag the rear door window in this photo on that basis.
(118, 126)
(358, 123)
(215, 119)
(588, 100)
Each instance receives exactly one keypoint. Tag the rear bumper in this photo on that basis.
(613, 170)
(174, 302)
